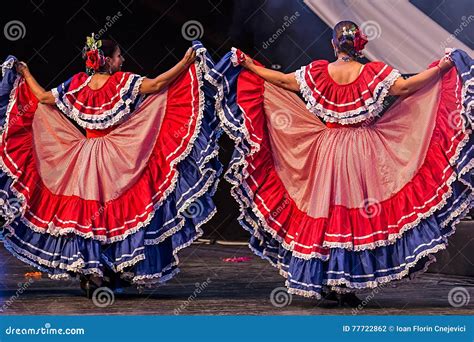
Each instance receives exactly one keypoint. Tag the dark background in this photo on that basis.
(150, 35)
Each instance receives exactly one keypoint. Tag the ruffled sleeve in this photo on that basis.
(99, 108)
(348, 103)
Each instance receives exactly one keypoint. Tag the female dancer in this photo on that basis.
(345, 196)
(120, 201)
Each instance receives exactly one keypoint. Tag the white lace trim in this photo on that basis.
(238, 195)
(112, 116)
(143, 280)
(55, 231)
(8, 64)
(35, 261)
(335, 284)
(77, 266)
(373, 105)
(151, 279)
(239, 171)
(233, 57)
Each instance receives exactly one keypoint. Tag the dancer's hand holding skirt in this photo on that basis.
(367, 198)
(125, 198)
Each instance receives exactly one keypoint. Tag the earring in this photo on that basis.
(335, 53)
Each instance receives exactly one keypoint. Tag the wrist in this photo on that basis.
(252, 67)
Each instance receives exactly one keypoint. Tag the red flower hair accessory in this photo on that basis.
(93, 55)
(360, 40)
(358, 37)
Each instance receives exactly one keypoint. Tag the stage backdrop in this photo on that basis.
(284, 34)
(399, 32)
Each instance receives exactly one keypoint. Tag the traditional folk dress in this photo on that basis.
(126, 197)
(342, 193)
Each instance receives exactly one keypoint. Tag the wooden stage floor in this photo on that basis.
(207, 285)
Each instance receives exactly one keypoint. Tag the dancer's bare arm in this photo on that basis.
(285, 81)
(412, 84)
(154, 85)
(42, 95)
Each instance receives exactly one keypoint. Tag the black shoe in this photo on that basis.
(332, 295)
(113, 281)
(88, 286)
(349, 299)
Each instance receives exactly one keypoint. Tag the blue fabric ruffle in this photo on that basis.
(345, 269)
(465, 68)
(6, 85)
(369, 268)
(129, 101)
(149, 255)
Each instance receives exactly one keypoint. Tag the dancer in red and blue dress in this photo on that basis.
(342, 193)
(100, 181)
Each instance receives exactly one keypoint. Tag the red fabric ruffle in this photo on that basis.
(347, 97)
(345, 227)
(90, 218)
(96, 101)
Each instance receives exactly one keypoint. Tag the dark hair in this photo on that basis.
(96, 63)
(344, 43)
(109, 47)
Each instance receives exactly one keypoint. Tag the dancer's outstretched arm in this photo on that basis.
(154, 85)
(285, 81)
(412, 84)
(42, 95)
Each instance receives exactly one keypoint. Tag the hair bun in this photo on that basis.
(348, 38)
(346, 43)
